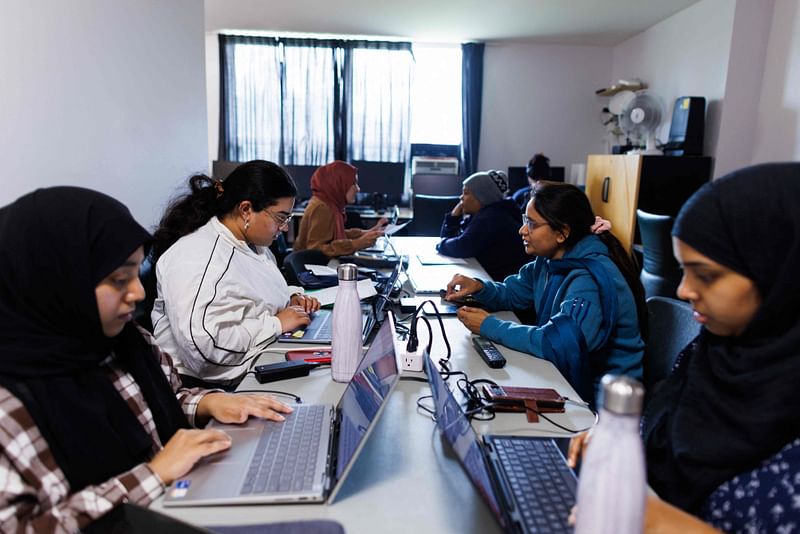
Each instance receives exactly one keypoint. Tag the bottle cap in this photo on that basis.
(622, 395)
(347, 272)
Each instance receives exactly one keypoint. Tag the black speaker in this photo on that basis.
(687, 128)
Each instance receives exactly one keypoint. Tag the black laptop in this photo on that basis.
(525, 481)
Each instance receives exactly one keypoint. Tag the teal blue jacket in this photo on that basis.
(587, 325)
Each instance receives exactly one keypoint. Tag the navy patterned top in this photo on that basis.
(766, 499)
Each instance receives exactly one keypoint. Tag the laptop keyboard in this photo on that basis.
(536, 472)
(286, 454)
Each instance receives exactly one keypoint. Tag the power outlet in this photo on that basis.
(412, 361)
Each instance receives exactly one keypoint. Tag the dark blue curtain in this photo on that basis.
(471, 96)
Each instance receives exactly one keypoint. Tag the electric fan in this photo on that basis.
(641, 117)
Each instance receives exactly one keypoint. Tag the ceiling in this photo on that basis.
(579, 22)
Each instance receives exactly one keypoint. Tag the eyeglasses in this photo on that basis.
(531, 224)
(281, 221)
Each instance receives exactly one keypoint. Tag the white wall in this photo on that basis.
(777, 131)
(540, 98)
(684, 55)
(106, 95)
(751, 31)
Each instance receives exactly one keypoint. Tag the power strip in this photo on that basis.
(283, 370)
(412, 361)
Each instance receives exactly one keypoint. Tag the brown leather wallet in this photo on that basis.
(524, 399)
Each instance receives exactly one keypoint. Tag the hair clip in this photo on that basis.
(218, 188)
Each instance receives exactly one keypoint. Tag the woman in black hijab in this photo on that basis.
(89, 416)
(722, 432)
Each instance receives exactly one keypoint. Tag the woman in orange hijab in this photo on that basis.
(333, 186)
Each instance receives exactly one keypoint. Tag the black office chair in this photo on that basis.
(660, 274)
(437, 184)
(296, 262)
(429, 211)
(280, 249)
(671, 328)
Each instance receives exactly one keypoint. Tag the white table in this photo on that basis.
(405, 480)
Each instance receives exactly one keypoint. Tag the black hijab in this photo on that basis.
(56, 245)
(733, 403)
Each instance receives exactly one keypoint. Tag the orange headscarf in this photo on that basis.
(330, 184)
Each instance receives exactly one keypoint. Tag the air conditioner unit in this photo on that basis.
(428, 165)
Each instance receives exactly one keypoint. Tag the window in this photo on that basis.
(309, 101)
(436, 96)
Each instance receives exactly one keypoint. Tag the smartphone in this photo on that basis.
(310, 354)
(468, 300)
(547, 399)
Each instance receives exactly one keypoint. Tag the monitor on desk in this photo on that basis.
(301, 174)
(382, 177)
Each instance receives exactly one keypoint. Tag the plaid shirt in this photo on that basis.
(34, 494)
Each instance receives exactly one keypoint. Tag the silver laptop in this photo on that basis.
(524, 480)
(320, 330)
(303, 459)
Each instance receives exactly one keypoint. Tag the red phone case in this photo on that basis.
(310, 354)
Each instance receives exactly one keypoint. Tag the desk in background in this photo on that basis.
(368, 215)
(405, 479)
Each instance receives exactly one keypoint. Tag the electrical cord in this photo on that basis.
(296, 398)
(476, 407)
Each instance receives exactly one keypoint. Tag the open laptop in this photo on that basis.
(320, 330)
(307, 457)
(525, 481)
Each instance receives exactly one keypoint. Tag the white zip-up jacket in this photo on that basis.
(216, 302)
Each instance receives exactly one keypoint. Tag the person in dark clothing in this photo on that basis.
(485, 225)
(538, 169)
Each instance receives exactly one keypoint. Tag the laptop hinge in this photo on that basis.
(331, 462)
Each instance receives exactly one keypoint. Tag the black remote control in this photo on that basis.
(488, 352)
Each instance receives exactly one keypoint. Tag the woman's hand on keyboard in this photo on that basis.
(462, 286)
(309, 304)
(292, 318)
(184, 449)
(233, 408)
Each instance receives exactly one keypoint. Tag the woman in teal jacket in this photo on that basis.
(582, 285)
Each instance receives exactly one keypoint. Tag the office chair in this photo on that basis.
(672, 327)
(437, 184)
(280, 249)
(296, 262)
(429, 211)
(660, 274)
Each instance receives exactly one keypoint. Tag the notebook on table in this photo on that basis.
(305, 458)
(320, 330)
(525, 481)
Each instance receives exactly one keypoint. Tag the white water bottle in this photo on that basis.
(612, 489)
(346, 339)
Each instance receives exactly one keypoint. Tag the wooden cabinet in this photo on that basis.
(619, 184)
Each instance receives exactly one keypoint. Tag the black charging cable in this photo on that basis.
(296, 398)
(413, 340)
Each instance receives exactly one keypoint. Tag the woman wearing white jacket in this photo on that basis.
(221, 297)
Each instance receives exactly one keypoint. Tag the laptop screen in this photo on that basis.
(457, 431)
(365, 394)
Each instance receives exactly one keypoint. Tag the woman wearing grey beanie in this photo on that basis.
(484, 225)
